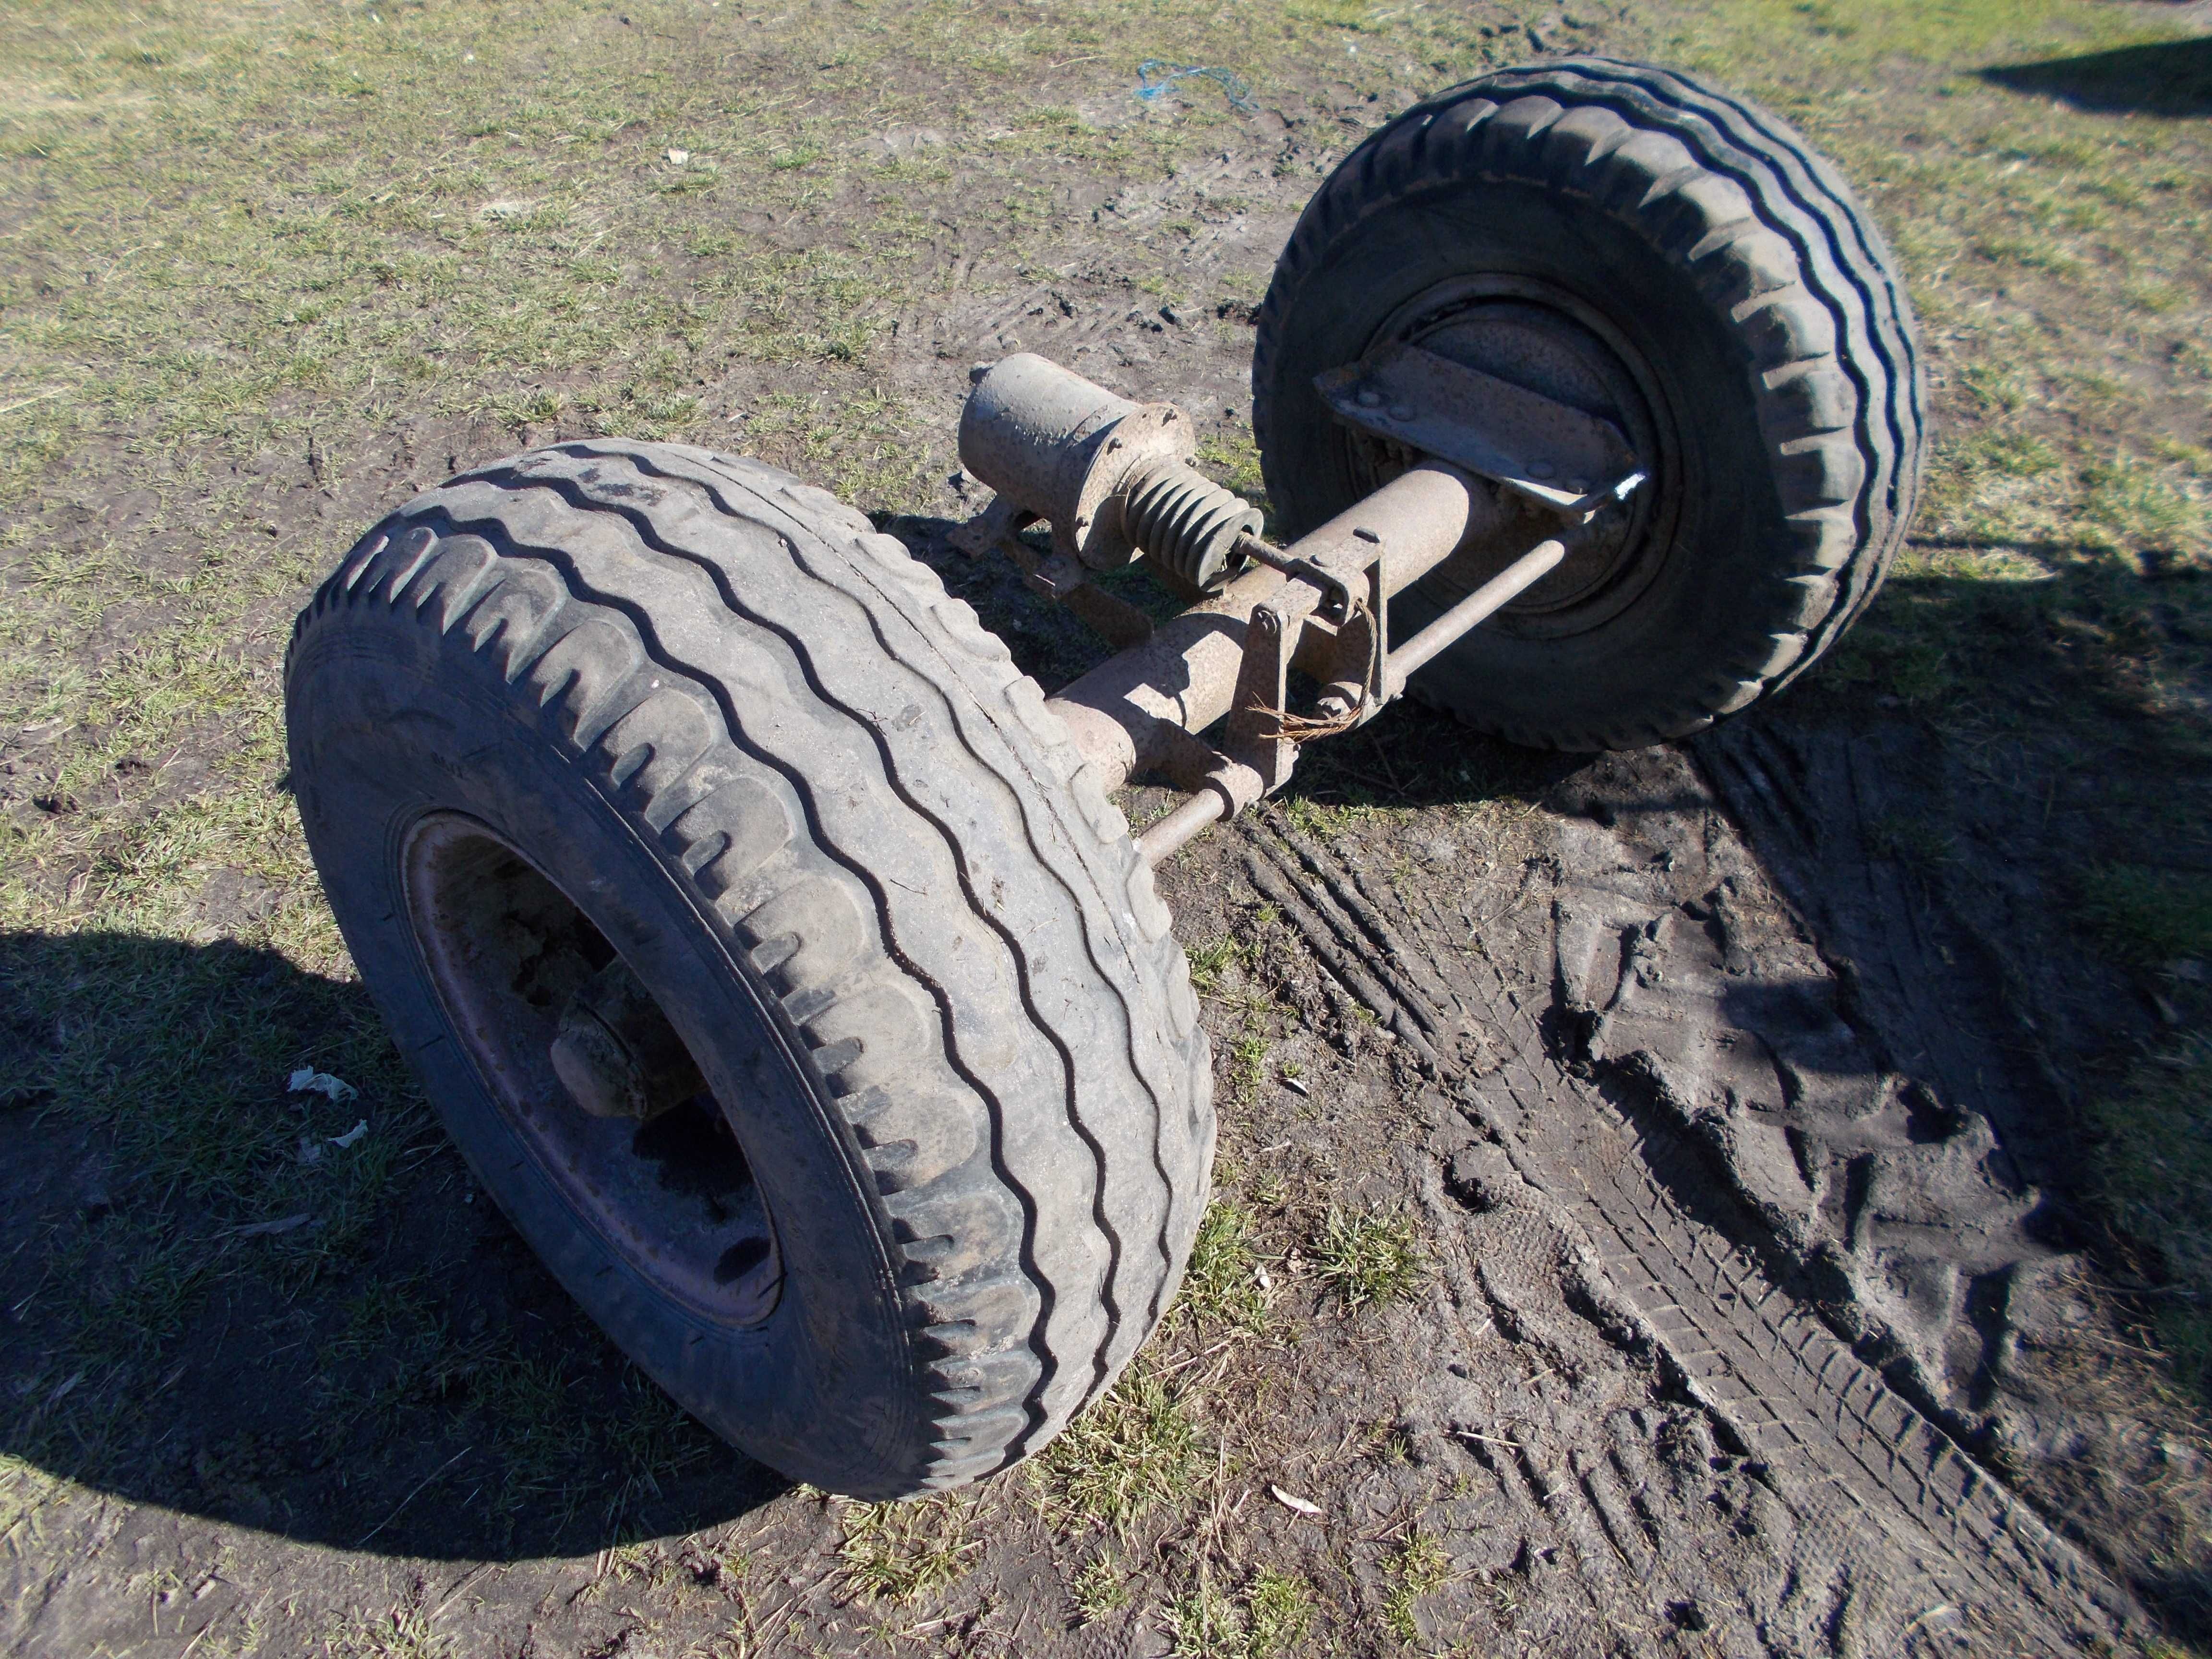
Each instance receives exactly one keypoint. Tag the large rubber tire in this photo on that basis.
(1761, 325)
(909, 943)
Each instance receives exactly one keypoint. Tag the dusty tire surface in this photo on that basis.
(1728, 303)
(816, 809)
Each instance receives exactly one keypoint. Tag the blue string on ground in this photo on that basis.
(1155, 77)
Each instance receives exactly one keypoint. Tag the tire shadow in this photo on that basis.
(216, 1297)
(2170, 78)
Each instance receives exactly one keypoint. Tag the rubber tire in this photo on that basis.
(814, 805)
(1737, 262)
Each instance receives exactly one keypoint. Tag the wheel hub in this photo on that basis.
(588, 1070)
(1539, 337)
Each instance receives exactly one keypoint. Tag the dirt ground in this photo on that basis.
(1752, 1196)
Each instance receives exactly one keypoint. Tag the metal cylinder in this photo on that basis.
(1031, 430)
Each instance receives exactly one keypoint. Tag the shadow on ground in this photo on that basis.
(2170, 78)
(207, 1304)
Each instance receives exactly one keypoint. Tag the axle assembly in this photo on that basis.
(1114, 481)
(774, 947)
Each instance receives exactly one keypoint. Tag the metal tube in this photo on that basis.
(1125, 713)
(1162, 840)
(1499, 591)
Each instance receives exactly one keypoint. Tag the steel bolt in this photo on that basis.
(1369, 397)
(1401, 411)
(1541, 469)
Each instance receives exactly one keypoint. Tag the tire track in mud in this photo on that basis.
(1933, 1551)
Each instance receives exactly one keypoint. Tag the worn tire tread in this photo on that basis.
(1821, 312)
(705, 629)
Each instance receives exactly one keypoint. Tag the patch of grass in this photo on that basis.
(1206, 1622)
(1320, 820)
(2137, 506)
(1271, 1617)
(1916, 840)
(403, 1632)
(1212, 960)
(1416, 1567)
(1128, 1453)
(902, 1552)
(1221, 1288)
(1279, 1611)
(1099, 1588)
(1247, 1062)
(1368, 1257)
(2148, 916)
(2153, 1156)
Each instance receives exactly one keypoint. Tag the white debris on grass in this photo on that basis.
(309, 1081)
(351, 1135)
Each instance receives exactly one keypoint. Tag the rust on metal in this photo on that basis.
(1551, 452)
(1114, 481)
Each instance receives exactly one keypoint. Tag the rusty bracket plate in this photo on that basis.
(1553, 454)
(1060, 577)
(1257, 734)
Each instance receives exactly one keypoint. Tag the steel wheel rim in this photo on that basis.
(503, 946)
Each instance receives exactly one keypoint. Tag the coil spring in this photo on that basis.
(1187, 521)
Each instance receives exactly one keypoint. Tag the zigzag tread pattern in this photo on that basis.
(878, 806)
(1776, 241)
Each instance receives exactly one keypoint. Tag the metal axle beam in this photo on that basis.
(1113, 478)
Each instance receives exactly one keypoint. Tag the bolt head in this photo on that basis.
(1541, 469)
(1369, 397)
(1401, 411)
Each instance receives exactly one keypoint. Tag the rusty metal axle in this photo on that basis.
(1113, 479)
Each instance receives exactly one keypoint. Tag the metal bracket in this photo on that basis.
(1257, 734)
(1337, 603)
(998, 526)
(1365, 637)
(1060, 577)
(1552, 453)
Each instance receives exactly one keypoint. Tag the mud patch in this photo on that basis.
(1688, 1031)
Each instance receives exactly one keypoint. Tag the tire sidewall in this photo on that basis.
(389, 721)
